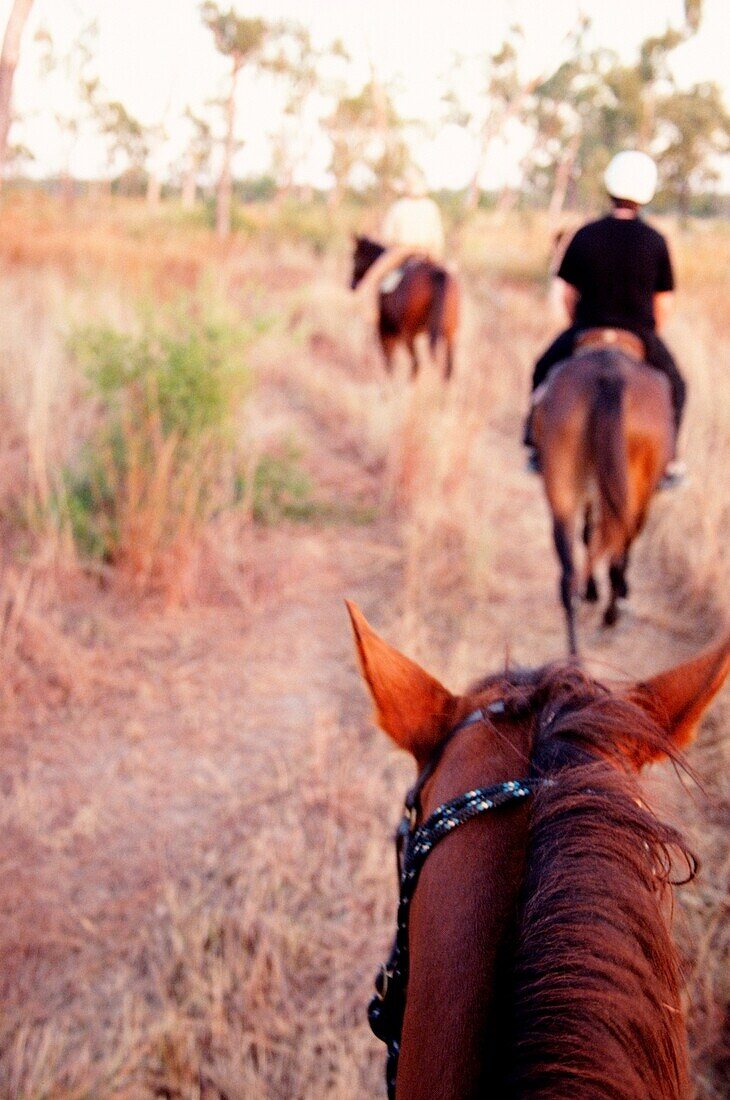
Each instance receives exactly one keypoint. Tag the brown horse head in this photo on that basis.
(604, 432)
(365, 253)
(540, 957)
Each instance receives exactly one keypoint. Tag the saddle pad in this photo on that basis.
(392, 280)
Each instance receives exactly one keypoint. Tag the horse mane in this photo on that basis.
(595, 982)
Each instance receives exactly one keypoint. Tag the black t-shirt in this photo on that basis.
(617, 265)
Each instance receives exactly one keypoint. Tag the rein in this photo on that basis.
(414, 843)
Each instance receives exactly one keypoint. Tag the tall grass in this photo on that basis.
(197, 878)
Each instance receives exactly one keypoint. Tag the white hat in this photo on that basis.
(631, 175)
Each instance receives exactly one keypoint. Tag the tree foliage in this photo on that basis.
(235, 36)
(368, 140)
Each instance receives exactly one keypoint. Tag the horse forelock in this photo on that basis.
(595, 985)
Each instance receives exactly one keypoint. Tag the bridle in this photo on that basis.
(414, 843)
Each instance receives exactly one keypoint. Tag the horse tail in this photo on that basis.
(607, 446)
(439, 282)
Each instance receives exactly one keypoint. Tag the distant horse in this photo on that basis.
(533, 956)
(604, 433)
(425, 299)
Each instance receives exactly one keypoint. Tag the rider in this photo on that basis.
(414, 220)
(617, 273)
(412, 227)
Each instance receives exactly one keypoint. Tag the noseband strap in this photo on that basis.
(414, 843)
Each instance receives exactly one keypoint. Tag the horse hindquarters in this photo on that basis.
(443, 315)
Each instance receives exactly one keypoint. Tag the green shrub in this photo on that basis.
(281, 489)
(161, 458)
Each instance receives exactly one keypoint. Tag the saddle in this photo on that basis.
(392, 278)
(619, 338)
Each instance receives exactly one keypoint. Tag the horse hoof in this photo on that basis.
(591, 592)
(610, 617)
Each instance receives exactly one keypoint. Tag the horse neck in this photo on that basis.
(580, 995)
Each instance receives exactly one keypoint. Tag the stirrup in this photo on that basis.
(532, 465)
(675, 473)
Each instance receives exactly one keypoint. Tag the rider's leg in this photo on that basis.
(659, 356)
(561, 348)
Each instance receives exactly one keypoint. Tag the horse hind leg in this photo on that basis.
(590, 593)
(562, 536)
(619, 588)
(411, 345)
(449, 359)
(387, 343)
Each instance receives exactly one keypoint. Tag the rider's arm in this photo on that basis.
(571, 274)
(571, 296)
(663, 302)
(663, 286)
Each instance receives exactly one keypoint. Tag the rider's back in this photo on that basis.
(415, 222)
(618, 265)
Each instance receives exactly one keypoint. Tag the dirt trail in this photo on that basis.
(142, 802)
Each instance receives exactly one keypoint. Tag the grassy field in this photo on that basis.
(196, 884)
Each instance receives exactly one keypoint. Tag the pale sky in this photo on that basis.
(156, 57)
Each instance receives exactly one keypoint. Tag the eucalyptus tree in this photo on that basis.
(596, 104)
(242, 40)
(693, 133)
(9, 57)
(197, 161)
(367, 136)
(72, 70)
(298, 63)
(127, 140)
(503, 97)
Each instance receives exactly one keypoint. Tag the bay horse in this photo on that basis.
(425, 299)
(604, 432)
(533, 956)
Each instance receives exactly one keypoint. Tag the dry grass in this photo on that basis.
(197, 880)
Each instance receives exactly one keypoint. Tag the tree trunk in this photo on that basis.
(493, 125)
(8, 64)
(471, 200)
(154, 190)
(190, 184)
(562, 179)
(223, 200)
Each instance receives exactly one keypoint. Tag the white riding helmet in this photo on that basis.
(631, 175)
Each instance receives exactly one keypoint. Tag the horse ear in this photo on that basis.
(678, 698)
(410, 706)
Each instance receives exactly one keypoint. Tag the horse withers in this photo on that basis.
(533, 955)
(425, 299)
(604, 432)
